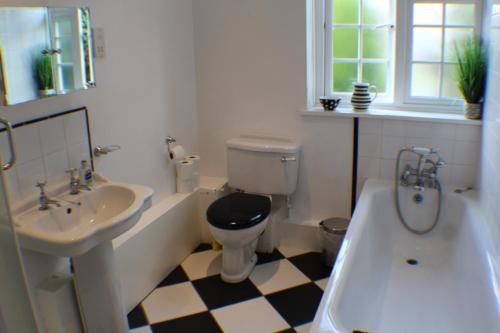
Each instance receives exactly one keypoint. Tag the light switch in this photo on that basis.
(99, 44)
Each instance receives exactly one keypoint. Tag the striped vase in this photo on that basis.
(361, 97)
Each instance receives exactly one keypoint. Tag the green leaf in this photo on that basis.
(43, 73)
(472, 59)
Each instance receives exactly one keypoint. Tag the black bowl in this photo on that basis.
(329, 104)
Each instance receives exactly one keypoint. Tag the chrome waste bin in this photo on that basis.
(332, 232)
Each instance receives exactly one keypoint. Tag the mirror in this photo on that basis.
(44, 52)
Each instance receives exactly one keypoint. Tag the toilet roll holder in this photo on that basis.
(170, 141)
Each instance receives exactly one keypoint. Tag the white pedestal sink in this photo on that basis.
(84, 232)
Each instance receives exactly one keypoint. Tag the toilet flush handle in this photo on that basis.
(285, 159)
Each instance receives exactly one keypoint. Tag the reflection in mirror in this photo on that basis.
(44, 52)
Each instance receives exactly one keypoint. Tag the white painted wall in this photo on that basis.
(251, 79)
(145, 88)
(490, 153)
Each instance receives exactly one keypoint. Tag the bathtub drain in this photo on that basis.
(412, 262)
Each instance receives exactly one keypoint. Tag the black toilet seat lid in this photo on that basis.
(238, 211)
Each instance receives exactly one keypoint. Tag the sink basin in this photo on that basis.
(100, 215)
(83, 228)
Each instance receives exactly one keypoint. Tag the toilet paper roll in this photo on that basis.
(177, 153)
(196, 173)
(185, 170)
(184, 186)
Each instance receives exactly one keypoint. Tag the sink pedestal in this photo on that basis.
(98, 290)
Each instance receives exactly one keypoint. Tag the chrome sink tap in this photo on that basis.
(44, 200)
(74, 184)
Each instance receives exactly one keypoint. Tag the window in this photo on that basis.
(436, 29)
(70, 35)
(361, 34)
(405, 48)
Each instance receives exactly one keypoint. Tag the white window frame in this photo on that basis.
(408, 99)
(318, 44)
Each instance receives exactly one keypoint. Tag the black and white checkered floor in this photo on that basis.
(281, 295)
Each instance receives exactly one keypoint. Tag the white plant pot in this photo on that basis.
(47, 92)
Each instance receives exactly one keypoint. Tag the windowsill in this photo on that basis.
(449, 118)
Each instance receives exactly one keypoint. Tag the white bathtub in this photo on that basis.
(453, 288)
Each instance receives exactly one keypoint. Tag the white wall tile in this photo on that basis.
(370, 145)
(73, 129)
(27, 140)
(443, 131)
(387, 169)
(391, 145)
(445, 148)
(52, 135)
(371, 126)
(466, 153)
(29, 173)
(417, 129)
(369, 167)
(56, 164)
(76, 152)
(468, 133)
(394, 128)
(12, 185)
(4, 147)
(463, 175)
(490, 150)
(444, 175)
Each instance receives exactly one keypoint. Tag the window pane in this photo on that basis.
(428, 13)
(66, 47)
(344, 74)
(427, 44)
(452, 37)
(68, 80)
(345, 11)
(376, 74)
(425, 80)
(63, 28)
(345, 43)
(375, 43)
(377, 12)
(460, 14)
(449, 81)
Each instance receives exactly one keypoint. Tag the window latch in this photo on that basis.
(388, 25)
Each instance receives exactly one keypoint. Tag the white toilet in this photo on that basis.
(258, 167)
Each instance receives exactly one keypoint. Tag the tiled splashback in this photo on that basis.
(380, 141)
(45, 150)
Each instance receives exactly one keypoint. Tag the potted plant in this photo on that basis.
(471, 75)
(44, 75)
